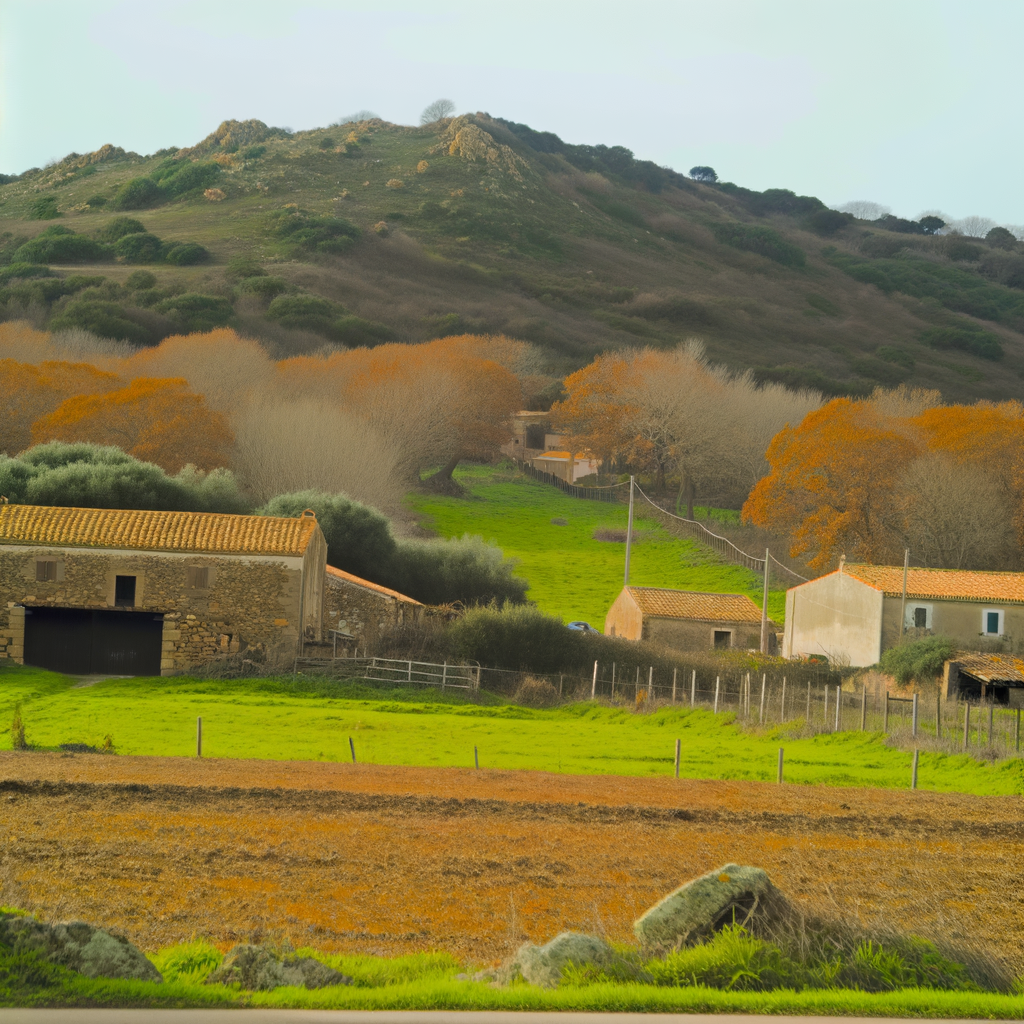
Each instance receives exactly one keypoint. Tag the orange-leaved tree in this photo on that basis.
(832, 483)
(31, 392)
(157, 420)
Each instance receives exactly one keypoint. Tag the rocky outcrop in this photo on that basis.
(259, 969)
(78, 946)
(727, 895)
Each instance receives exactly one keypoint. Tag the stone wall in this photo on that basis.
(249, 603)
(689, 635)
(362, 611)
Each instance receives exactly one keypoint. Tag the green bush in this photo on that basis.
(253, 152)
(95, 202)
(140, 248)
(967, 338)
(918, 660)
(765, 242)
(94, 476)
(139, 280)
(44, 208)
(354, 331)
(115, 230)
(358, 538)
(312, 232)
(186, 254)
(265, 287)
(104, 318)
(137, 194)
(305, 312)
(60, 245)
(828, 222)
(177, 177)
(193, 312)
(240, 267)
(518, 636)
(24, 270)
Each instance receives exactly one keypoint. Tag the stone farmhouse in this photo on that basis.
(128, 592)
(686, 621)
(853, 614)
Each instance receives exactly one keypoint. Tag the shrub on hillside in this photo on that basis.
(95, 476)
(766, 242)
(966, 338)
(95, 202)
(828, 222)
(314, 233)
(116, 229)
(305, 313)
(106, 320)
(137, 194)
(176, 178)
(186, 254)
(193, 313)
(44, 208)
(517, 637)
(264, 286)
(61, 245)
(919, 661)
(139, 280)
(139, 248)
(355, 331)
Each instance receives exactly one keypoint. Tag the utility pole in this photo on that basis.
(764, 607)
(903, 603)
(629, 528)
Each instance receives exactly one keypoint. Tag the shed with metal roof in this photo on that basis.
(685, 620)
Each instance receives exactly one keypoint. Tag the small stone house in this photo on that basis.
(852, 615)
(685, 620)
(357, 611)
(130, 592)
(978, 677)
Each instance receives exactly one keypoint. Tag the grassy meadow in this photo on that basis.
(310, 720)
(572, 574)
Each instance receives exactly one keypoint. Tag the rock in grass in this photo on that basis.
(78, 946)
(729, 894)
(542, 965)
(259, 969)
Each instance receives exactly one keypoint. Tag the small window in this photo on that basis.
(920, 618)
(992, 622)
(124, 591)
(46, 571)
(198, 577)
(723, 638)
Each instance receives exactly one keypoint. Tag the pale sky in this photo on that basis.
(911, 103)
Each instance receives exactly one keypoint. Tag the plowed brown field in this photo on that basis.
(375, 859)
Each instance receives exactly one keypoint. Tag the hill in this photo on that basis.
(368, 231)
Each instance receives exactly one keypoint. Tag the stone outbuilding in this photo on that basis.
(129, 592)
(685, 620)
(853, 615)
(357, 611)
(979, 677)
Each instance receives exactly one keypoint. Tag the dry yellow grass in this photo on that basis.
(387, 860)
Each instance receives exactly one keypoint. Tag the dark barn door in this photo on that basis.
(80, 642)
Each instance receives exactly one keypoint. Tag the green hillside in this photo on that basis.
(572, 573)
(372, 231)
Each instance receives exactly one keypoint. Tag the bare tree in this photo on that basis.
(359, 115)
(974, 226)
(437, 110)
(864, 209)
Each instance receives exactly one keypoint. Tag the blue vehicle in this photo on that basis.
(583, 627)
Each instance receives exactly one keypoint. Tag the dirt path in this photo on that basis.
(381, 859)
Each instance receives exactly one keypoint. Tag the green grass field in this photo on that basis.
(571, 574)
(312, 720)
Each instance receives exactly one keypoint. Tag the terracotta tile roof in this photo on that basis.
(347, 577)
(686, 604)
(990, 668)
(1004, 587)
(134, 530)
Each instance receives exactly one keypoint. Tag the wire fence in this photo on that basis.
(606, 492)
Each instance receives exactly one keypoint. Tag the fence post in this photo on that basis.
(863, 707)
(760, 714)
(885, 711)
(913, 775)
(352, 747)
(839, 708)
(991, 715)
(674, 671)
(693, 691)
(476, 757)
(677, 758)
(808, 716)
(913, 717)
(717, 681)
(967, 723)
(410, 671)
(1016, 734)
(780, 764)
(613, 678)
(199, 737)
(560, 678)
(444, 676)
(825, 712)
(938, 716)
(593, 685)
(782, 708)
(650, 684)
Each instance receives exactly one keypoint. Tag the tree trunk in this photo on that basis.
(445, 473)
(686, 488)
(442, 481)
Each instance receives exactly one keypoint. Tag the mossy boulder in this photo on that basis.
(260, 969)
(730, 894)
(543, 965)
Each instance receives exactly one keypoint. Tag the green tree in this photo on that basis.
(704, 174)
